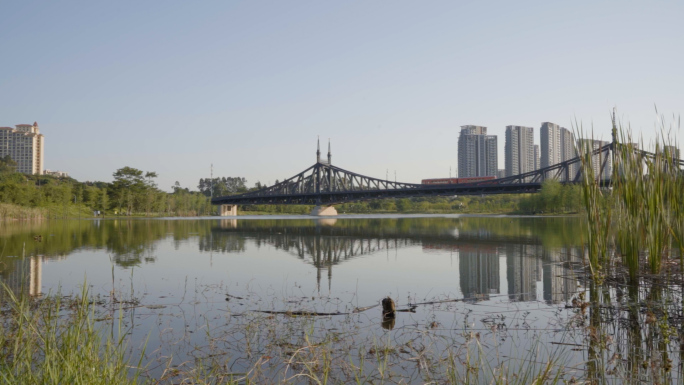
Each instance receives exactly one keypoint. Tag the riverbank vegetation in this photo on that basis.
(134, 192)
(554, 198)
(635, 227)
(633, 257)
(55, 340)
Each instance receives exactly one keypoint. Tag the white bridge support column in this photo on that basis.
(228, 210)
(324, 211)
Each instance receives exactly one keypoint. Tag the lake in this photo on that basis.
(296, 298)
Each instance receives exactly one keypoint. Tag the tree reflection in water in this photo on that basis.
(625, 332)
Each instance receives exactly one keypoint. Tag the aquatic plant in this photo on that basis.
(597, 211)
(642, 214)
(55, 341)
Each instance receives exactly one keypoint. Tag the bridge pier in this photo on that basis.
(326, 211)
(228, 210)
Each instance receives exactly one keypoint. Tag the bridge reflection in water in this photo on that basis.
(530, 268)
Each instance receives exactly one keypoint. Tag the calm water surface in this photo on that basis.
(190, 288)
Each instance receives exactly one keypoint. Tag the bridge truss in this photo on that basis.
(325, 184)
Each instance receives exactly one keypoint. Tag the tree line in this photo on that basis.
(135, 192)
(132, 192)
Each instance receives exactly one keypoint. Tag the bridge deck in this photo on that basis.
(325, 184)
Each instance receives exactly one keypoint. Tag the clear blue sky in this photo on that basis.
(173, 86)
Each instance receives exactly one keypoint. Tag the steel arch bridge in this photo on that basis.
(326, 185)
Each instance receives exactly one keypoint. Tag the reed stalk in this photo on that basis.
(598, 213)
(644, 211)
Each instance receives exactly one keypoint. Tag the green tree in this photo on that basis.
(7, 165)
(404, 205)
(550, 196)
(127, 188)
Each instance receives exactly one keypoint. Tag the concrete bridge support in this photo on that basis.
(228, 210)
(323, 211)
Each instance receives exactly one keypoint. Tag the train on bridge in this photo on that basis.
(475, 179)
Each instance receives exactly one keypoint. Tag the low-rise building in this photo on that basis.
(57, 173)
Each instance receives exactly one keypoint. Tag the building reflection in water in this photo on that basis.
(523, 270)
(24, 276)
(482, 254)
(479, 271)
(496, 255)
(559, 284)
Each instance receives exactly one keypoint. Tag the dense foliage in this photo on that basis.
(135, 192)
(554, 198)
(132, 192)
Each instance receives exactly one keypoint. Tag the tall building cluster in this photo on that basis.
(25, 145)
(477, 152)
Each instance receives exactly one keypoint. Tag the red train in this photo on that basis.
(457, 180)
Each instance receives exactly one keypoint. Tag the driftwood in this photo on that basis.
(315, 313)
(389, 310)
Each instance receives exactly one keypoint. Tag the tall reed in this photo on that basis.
(597, 211)
(645, 203)
(628, 187)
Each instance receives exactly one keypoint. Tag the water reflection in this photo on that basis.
(277, 264)
(533, 253)
(325, 243)
(479, 271)
(22, 276)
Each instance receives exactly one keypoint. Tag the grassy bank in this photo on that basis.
(10, 211)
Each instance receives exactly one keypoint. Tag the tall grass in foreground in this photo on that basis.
(643, 214)
(597, 210)
(55, 341)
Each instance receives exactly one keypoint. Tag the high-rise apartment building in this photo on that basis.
(25, 145)
(477, 152)
(519, 150)
(567, 145)
(550, 139)
(557, 145)
(536, 157)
